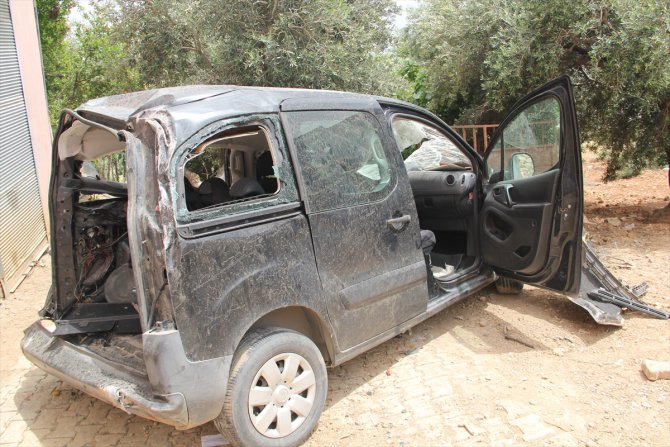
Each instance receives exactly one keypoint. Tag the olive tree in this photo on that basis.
(54, 28)
(318, 44)
(470, 59)
(81, 60)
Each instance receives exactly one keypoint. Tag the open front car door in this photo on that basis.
(531, 219)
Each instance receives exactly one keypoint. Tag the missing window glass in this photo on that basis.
(234, 165)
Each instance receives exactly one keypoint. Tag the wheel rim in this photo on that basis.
(282, 395)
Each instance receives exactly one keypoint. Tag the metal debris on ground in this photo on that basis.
(604, 296)
(412, 351)
(608, 297)
(640, 290)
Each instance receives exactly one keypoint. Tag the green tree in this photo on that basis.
(80, 61)
(54, 28)
(477, 57)
(317, 44)
(100, 65)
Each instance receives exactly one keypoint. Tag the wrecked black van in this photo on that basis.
(250, 237)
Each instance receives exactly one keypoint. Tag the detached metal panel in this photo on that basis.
(22, 229)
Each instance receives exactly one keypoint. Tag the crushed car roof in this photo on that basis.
(209, 103)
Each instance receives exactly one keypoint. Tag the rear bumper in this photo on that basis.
(175, 391)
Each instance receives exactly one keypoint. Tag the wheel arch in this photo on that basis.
(302, 320)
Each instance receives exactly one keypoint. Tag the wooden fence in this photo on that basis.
(477, 135)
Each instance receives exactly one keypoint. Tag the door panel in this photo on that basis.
(531, 220)
(374, 278)
(363, 221)
(516, 223)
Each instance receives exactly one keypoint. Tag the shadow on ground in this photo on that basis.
(58, 415)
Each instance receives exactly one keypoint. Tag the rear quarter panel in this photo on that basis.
(224, 282)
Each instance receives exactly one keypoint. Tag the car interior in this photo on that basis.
(443, 185)
(235, 165)
(103, 295)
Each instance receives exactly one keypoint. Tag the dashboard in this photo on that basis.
(443, 194)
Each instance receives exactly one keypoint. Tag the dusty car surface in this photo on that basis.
(259, 235)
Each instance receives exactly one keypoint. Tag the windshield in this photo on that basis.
(425, 148)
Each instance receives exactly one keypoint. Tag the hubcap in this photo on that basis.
(282, 395)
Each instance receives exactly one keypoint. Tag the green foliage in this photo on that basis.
(99, 64)
(317, 44)
(478, 57)
(80, 63)
(417, 78)
(207, 163)
(127, 45)
(112, 167)
(52, 22)
(626, 86)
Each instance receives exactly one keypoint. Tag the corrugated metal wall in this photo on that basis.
(22, 228)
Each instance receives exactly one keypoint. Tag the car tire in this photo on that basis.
(266, 403)
(506, 286)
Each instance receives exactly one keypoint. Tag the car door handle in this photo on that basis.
(502, 195)
(399, 223)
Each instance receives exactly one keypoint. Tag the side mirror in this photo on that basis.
(521, 165)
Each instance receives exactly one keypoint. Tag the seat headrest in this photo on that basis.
(264, 165)
(214, 190)
(246, 187)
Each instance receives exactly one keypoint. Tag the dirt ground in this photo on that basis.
(455, 379)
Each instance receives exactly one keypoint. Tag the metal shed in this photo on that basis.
(23, 233)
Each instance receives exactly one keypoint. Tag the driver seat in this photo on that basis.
(427, 243)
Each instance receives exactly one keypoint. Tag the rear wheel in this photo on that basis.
(508, 286)
(276, 390)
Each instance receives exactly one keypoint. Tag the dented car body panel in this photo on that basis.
(343, 217)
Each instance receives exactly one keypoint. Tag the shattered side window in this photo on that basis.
(425, 148)
(231, 167)
(341, 156)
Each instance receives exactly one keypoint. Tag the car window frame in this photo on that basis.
(394, 111)
(386, 140)
(499, 136)
(286, 197)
